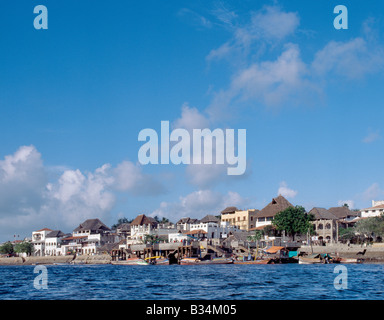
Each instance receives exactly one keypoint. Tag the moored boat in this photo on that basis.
(131, 261)
(257, 261)
(311, 259)
(196, 261)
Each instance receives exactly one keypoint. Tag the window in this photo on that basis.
(320, 226)
(251, 218)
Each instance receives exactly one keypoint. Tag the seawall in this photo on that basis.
(97, 259)
(373, 253)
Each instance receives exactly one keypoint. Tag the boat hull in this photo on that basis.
(130, 262)
(264, 261)
(195, 262)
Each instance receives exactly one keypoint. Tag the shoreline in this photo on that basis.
(370, 257)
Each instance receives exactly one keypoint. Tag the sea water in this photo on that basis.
(212, 282)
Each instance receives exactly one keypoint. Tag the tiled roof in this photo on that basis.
(142, 219)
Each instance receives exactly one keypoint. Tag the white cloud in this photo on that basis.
(371, 137)
(273, 83)
(350, 59)
(191, 118)
(198, 204)
(285, 191)
(270, 24)
(29, 201)
(373, 192)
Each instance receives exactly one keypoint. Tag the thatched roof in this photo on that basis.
(229, 210)
(187, 220)
(210, 218)
(142, 219)
(277, 205)
(93, 225)
(55, 234)
(323, 214)
(342, 212)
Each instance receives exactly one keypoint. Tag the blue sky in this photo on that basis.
(73, 99)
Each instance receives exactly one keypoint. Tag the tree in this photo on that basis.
(24, 247)
(6, 248)
(151, 238)
(293, 220)
(120, 222)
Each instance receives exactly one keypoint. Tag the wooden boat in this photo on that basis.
(257, 261)
(349, 260)
(131, 261)
(158, 260)
(196, 261)
(311, 259)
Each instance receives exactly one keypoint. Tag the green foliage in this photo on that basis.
(293, 220)
(120, 222)
(163, 220)
(346, 233)
(151, 238)
(6, 248)
(257, 236)
(373, 226)
(24, 247)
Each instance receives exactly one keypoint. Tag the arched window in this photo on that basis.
(320, 226)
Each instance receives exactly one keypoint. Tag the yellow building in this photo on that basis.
(243, 219)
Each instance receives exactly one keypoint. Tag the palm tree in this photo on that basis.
(256, 237)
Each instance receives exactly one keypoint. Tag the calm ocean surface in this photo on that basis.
(217, 282)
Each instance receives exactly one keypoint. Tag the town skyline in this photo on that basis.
(75, 97)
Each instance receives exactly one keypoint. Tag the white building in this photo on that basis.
(88, 237)
(184, 224)
(213, 228)
(376, 210)
(53, 243)
(142, 226)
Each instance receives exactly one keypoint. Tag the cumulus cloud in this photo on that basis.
(373, 192)
(29, 200)
(350, 59)
(198, 204)
(285, 191)
(371, 137)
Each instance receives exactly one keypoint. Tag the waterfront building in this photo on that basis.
(326, 225)
(141, 226)
(213, 228)
(343, 213)
(185, 223)
(376, 210)
(243, 219)
(38, 241)
(88, 237)
(265, 216)
(53, 243)
(179, 236)
(124, 230)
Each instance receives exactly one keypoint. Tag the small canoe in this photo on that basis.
(348, 260)
(303, 260)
